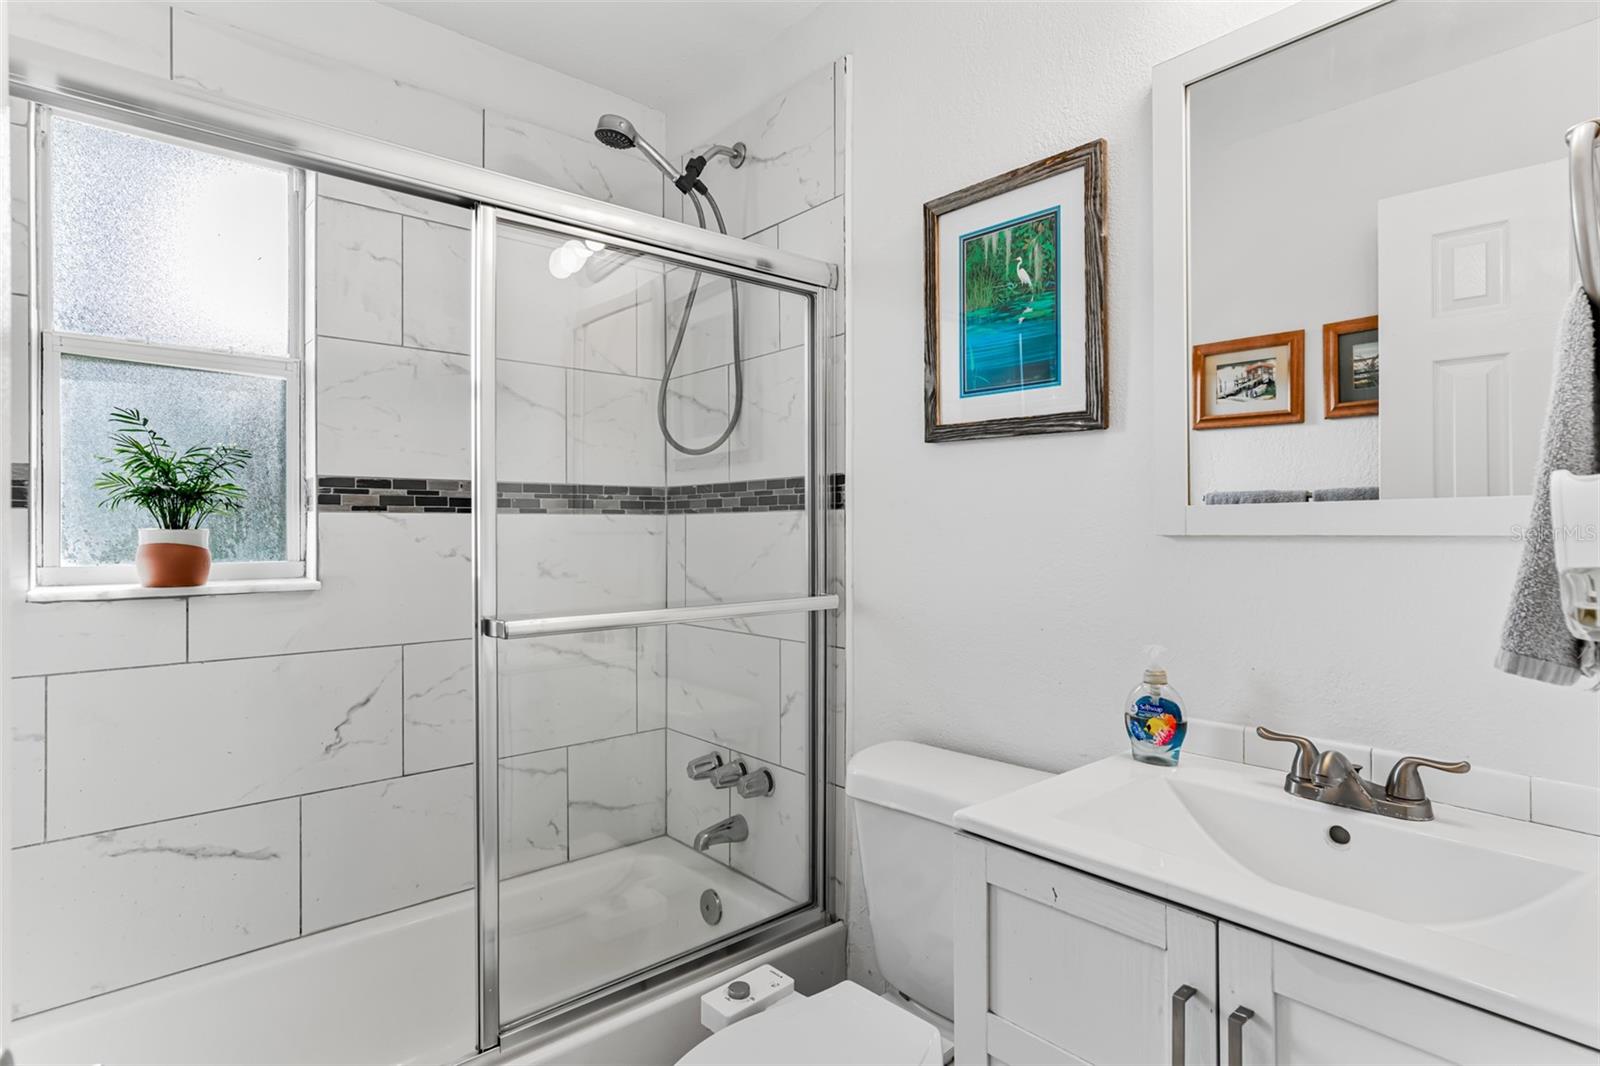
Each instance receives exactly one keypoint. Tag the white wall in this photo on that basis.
(1002, 589)
(1285, 225)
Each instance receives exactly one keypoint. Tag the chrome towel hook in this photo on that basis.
(1585, 204)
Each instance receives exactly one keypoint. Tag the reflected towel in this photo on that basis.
(1363, 492)
(1257, 496)
(1535, 642)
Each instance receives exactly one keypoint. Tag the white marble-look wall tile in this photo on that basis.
(649, 287)
(113, 909)
(359, 192)
(794, 706)
(652, 677)
(1480, 789)
(58, 638)
(358, 273)
(374, 848)
(436, 286)
(21, 223)
(538, 316)
(841, 118)
(725, 688)
(752, 556)
(533, 812)
(790, 161)
(530, 422)
(25, 754)
(389, 411)
(570, 564)
(708, 338)
(386, 579)
(760, 309)
(440, 704)
(231, 61)
(609, 342)
(697, 413)
(162, 742)
(778, 852)
(612, 435)
(567, 689)
(694, 805)
(617, 792)
(677, 553)
(818, 233)
(135, 35)
(771, 438)
(580, 165)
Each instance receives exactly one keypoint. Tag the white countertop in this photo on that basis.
(1501, 914)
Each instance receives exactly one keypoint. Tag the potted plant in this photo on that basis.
(179, 490)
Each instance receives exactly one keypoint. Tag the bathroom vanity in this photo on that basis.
(1128, 913)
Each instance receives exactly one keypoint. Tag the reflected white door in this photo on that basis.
(1471, 281)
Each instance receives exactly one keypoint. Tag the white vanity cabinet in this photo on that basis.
(1057, 966)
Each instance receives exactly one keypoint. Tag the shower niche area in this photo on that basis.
(551, 727)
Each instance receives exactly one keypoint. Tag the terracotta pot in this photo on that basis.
(173, 558)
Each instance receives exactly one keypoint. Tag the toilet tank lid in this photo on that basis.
(930, 782)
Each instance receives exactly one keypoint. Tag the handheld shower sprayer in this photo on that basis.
(614, 131)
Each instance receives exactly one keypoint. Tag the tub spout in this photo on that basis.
(729, 830)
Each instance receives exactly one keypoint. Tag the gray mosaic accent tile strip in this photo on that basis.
(396, 494)
(19, 485)
(734, 497)
(543, 497)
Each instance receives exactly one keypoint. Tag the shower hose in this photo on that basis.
(677, 346)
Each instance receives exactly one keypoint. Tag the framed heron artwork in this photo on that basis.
(1015, 302)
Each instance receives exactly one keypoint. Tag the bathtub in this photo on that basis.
(401, 987)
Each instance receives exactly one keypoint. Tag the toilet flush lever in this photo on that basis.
(703, 767)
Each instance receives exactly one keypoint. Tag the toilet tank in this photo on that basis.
(904, 796)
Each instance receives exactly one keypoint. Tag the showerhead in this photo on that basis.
(614, 131)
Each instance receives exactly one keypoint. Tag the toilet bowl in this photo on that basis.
(904, 797)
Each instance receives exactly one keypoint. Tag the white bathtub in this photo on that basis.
(400, 988)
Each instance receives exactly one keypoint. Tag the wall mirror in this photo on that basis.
(1363, 247)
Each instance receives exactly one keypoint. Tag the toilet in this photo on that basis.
(904, 796)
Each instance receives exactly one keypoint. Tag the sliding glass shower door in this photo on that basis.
(650, 661)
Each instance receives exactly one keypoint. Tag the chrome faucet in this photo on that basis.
(728, 831)
(1329, 777)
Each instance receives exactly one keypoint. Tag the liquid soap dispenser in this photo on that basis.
(1154, 714)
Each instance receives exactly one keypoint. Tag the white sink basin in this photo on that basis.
(1495, 912)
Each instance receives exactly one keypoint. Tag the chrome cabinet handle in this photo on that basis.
(1304, 767)
(1406, 784)
(1180, 1009)
(1236, 1022)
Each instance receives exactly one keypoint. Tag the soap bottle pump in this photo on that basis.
(1154, 714)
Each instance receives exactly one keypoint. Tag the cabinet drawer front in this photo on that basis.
(1120, 909)
(1009, 1044)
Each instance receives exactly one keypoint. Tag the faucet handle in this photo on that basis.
(1405, 783)
(701, 768)
(729, 775)
(1304, 767)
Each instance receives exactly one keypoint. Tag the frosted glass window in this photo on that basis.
(166, 244)
(188, 407)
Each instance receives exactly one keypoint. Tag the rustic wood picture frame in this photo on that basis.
(1333, 405)
(1295, 340)
(1091, 158)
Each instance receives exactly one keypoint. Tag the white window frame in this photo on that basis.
(295, 367)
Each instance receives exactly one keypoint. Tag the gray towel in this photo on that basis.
(1257, 496)
(1362, 492)
(1536, 642)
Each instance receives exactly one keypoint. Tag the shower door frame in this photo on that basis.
(492, 629)
(156, 105)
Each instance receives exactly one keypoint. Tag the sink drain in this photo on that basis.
(1338, 834)
(711, 906)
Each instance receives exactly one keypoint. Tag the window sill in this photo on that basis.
(83, 593)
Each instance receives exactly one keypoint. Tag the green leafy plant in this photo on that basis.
(179, 490)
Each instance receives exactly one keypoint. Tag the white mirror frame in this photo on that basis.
(1485, 516)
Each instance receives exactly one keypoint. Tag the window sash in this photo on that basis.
(296, 367)
(51, 571)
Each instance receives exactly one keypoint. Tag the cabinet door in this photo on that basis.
(1307, 1009)
(1056, 966)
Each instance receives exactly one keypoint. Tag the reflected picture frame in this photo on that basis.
(1248, 381)
(1350, 371)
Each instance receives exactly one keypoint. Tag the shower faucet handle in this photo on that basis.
(729, 775)
(703, 767)
(756, 783)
